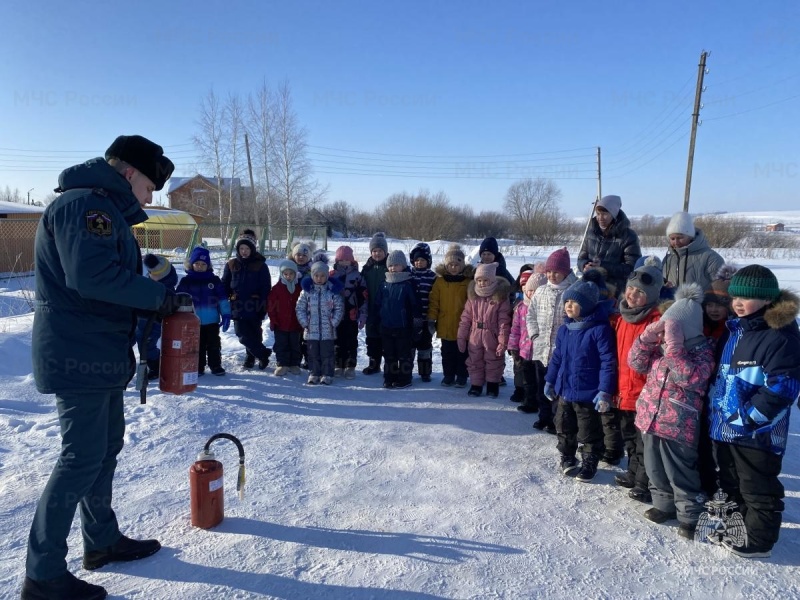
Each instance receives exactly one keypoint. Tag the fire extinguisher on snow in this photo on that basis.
(205, 484)
(180, 348)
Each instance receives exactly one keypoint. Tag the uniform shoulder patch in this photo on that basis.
(98, 223)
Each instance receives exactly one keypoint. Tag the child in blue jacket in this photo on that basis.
(401, 321)
(582, 374)
(210, 304)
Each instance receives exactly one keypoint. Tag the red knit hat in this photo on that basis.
(523, 278)
(558, 261)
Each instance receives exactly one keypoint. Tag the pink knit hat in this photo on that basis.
(344, 253)
(487, 271)
(539, 267)
(534, 281)
(558, 261)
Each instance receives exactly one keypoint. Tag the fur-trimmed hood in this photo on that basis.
(783, 311)
(501, 293)
(468, 272)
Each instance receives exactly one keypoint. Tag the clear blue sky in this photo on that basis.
(491, 91)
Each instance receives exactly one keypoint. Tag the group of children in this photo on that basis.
(696, 390)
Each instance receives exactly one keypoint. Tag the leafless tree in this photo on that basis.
(261, 127)
(294, 182)
(533, 205)
(423, 216)
(210, 141)
(234, 129)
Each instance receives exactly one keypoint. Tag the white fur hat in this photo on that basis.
(681, 222)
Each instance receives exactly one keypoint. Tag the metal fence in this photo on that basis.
(16, 245)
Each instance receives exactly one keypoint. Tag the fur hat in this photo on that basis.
(379, 241)
(157, 266)
(344, 253)
(612, 204)
(585, 293)
(287, 265)
(302, 248)
(717, 292)
(486, 271)
(681, 222)
(489, 245)
(454, 254)
(534, 281)
(199, 254)
(648, 278)
(754, 281)
(421, 250)
(558, 261)
(247, 241)
(144, 155)
(688, 310)
(396, 257)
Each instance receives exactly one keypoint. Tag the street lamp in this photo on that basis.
(29, 195)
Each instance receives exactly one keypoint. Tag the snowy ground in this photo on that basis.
(361, 493)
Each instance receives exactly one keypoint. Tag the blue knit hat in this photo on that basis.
(585, 293)
(199, 254)
(489, 245)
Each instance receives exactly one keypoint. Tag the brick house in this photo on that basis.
(199, 195)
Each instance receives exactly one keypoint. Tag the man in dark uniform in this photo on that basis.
(89, 285)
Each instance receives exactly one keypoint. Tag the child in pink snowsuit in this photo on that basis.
(484, 329)
(520, 345)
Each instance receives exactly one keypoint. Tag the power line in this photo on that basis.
(741, 112)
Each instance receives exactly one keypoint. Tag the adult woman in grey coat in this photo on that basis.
(689, 258)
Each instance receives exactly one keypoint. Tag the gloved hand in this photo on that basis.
(673, 336)
(652, 333)
(172, 302)
(602, 402)
(226, 322)
(550, 391)
(501, 349)
(462, 345)
(432, 328)
(362, 320)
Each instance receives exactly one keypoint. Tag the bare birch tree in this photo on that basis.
(234, 130)
(533, 205)
(261, 127)
(210, 141)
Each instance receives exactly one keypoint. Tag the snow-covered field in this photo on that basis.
(362, 493)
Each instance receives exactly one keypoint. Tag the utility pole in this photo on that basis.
(701, 71)
(599, 177)
(252, 183)
(29, 195)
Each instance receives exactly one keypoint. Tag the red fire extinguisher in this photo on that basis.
(180, 346)
(205, 484)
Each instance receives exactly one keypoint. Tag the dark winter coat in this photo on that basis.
(758, 378)
(695, 263)
(248, 283)
(374, 274)
(584, 361)
(354, 291)
(282, 306)
(423, 278)
(89, 283)
(209, 296)
(618, 250)
(399, 302)
(447, 300)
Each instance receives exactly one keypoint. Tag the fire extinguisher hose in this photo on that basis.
(141, 369)
(235, 440)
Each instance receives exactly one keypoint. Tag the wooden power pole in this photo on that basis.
(599, 179)
(701, 70)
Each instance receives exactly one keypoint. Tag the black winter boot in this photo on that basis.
(124, 550)
(588, 467)
(373, 367)
(518, 395)
(475, 390)
(65, 587)
(249, 360)
(425, 368)
(492, 389)
(152, 370)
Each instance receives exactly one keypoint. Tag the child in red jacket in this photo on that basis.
(283, 321)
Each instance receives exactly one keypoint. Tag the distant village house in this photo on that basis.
(775, 227)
